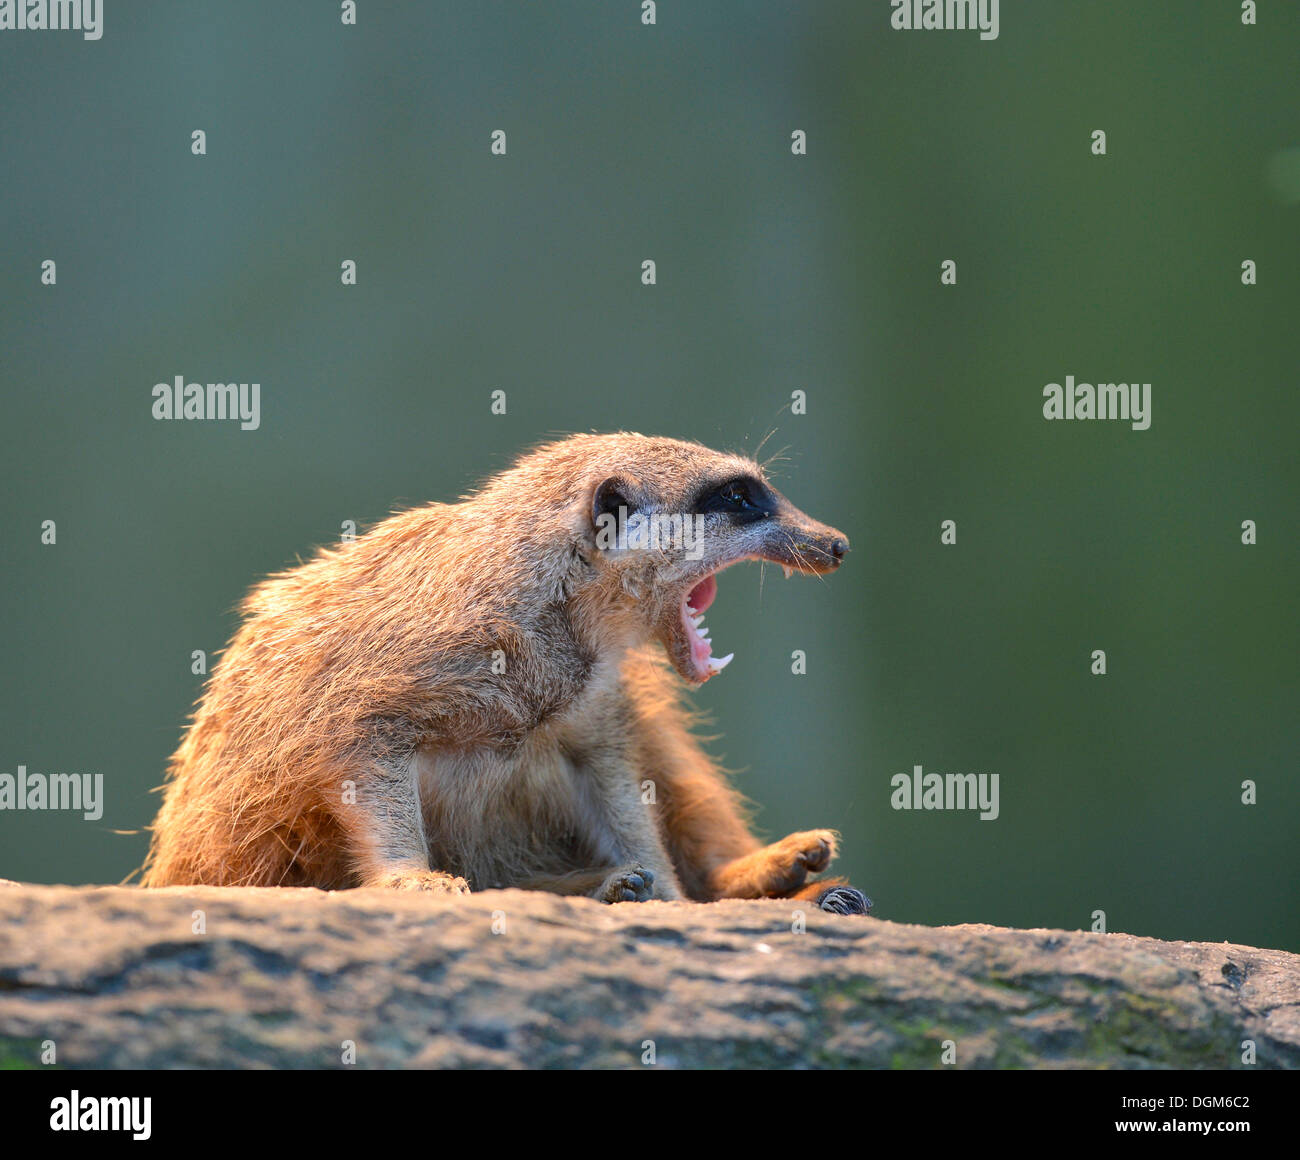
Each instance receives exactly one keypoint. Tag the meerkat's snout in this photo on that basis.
(804, 545)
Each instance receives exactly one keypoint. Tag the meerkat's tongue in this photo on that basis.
(699, 599)
(702, 594)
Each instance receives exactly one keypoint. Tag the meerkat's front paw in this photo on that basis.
(793, 858)
(813, 849)
(430, 881)
(778, 870)
(631, 884)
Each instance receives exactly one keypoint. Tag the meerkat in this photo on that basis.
(487, 694)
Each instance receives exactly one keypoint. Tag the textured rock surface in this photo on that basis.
(281, 978)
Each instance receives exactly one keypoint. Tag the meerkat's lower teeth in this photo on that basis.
(717, 664)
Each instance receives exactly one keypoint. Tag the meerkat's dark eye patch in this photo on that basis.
(744, 498)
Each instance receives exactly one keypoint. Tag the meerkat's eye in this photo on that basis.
(742, 497)
(737, 494)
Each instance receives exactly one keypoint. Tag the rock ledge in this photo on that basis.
(116, 977)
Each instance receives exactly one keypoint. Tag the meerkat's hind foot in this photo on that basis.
(427, 881)
(629, 884)
(844, 900)
(835, 896)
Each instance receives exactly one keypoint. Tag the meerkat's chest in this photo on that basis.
(501, 817)
(499, 820)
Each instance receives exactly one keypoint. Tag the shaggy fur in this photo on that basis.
(475, 695)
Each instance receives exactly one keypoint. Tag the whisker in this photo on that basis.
(766, 437)
(778, 456)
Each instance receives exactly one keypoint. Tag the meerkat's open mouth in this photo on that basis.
(701, 662)
(691, 649)
(783, 536)
(694, 604)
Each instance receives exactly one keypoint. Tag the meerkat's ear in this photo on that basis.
(610, 495)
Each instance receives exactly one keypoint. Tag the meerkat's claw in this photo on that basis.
(633, 884)
(845, 900)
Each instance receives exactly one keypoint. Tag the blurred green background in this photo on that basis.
(775, 273)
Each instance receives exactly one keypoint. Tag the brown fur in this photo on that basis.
(357, 731)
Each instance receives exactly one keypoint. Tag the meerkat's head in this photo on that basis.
(662, 518)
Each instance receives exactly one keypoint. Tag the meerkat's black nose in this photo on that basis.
(839, 548)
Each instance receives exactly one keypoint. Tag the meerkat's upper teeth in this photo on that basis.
(717, 664)
(787, 570)
(697, 620)
(704, 634)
